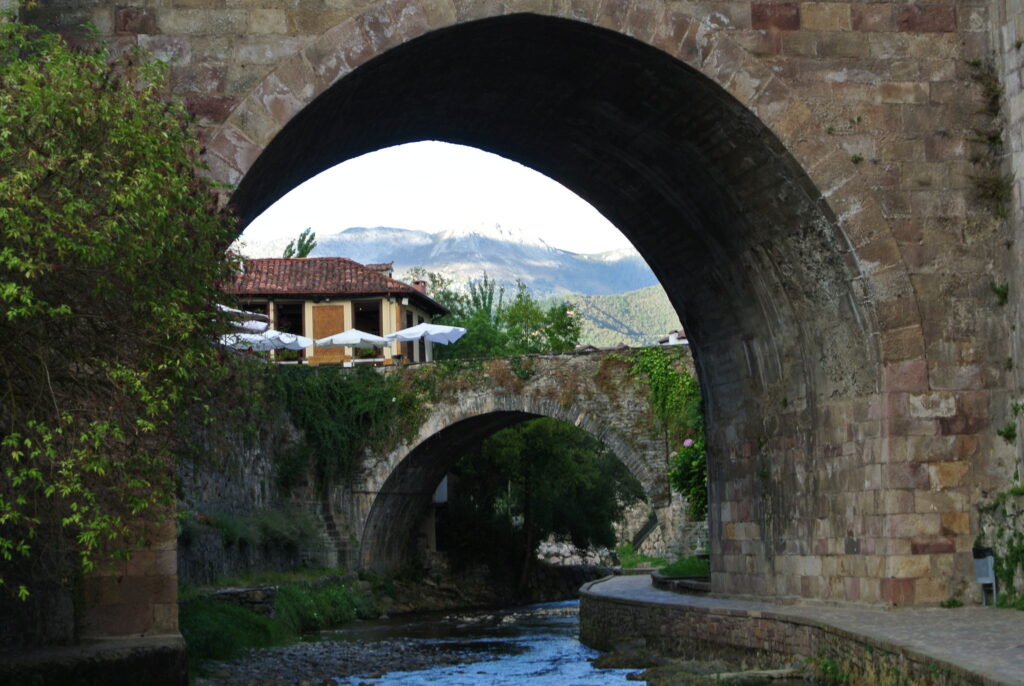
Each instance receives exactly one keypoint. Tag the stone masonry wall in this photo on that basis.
(231, 474)
(1007, 54)
(835, 269)
(697, 633)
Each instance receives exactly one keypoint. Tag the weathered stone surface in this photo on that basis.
(798, 175)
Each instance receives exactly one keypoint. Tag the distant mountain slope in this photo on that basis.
(504, 254)
(638, 317)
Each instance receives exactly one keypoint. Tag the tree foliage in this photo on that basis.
(301, 246)
(499, 324)
(341, 413)
(678, 410)
(110, 250)
(539, 478)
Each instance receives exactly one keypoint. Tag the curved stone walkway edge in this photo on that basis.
(968, 645)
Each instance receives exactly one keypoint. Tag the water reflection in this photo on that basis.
(537, 644)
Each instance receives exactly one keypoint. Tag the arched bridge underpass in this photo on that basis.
(797, 175)
(597, 392)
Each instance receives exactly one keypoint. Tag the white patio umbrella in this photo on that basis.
(250, 326)
(435, 333)
(267, 340)
(293, 341)
(352, 338)
(242, 314)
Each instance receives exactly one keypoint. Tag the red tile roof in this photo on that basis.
(321, 276)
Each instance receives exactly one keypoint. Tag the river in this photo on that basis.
(535, 644)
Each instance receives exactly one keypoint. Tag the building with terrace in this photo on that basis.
(321, 296)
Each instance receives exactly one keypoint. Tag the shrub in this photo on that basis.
(686, 566)
(216, 630)
(631, 560)
(110, 251)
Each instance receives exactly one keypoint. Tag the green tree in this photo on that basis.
(302, 246)
(539, 478)
(110, 249)
(497, 325)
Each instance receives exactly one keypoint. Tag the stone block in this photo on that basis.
(907, 566)
(135, 20)
(955, 523)
(913, 525)
(872, 17)
(234, 148)
(932, 405)
(931, 590)
(165, 618)
(918, 18)
(902, 344)
(200, 79)
(947, 474)
(118, 620)
(268, 21)
(895, 501)
(210, 108)
(939, 501)
(908, 475)
(171, 49)
(845, 45)
(956, 376)
(905, 93)
(152, 563)
(897, 591)
(910, 375)
(781, 16)
(935, 547)
(203, 22)
(825, 16)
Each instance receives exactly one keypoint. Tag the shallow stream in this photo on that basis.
(535, 644)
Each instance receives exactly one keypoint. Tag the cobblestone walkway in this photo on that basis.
(984, 641)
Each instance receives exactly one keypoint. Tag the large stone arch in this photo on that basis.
(833, 273)
(773, 251)
(807, 336)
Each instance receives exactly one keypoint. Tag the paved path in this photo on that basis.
(985, 641)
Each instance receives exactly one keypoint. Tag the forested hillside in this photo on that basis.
(638, 317)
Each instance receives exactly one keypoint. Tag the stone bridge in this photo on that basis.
(809, 181)
(595, 391)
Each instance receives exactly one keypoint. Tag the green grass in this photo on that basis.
(631, 560)
(686, 566)
(304, 575)
(218, 630)
(215, 630)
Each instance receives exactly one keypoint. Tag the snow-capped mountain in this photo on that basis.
(505, 254)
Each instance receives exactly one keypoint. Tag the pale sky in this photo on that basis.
(432, 186)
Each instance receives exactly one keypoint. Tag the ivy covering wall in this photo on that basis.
(1002, 529)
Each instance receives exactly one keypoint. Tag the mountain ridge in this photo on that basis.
(503, 254)
(616, 294)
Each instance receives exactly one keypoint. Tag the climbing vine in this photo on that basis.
(1002, 529)
(676, 406)
(341, 414)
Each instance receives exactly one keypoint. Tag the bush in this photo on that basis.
(686, 566)
(631, 560)
(217, 630)
(110, 251)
